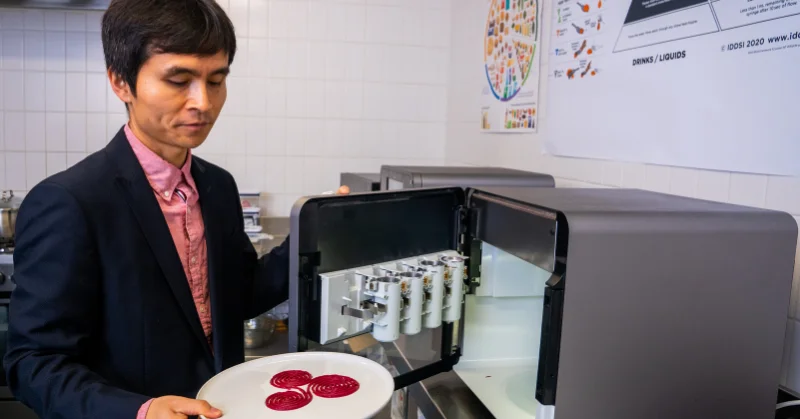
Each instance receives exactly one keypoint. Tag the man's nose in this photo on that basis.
(198, 97)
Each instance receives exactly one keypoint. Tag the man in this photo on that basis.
(133, 270)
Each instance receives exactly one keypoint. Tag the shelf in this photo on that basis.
(506, 388)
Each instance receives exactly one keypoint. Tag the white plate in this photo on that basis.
(241, 391)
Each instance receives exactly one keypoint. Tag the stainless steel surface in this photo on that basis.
(8, 200)
(8, 220)
(256, 323)
(438, 262)
(258, 330)
(57, 4)
(9, 207)
(445, 396)
(254, 338)
(6, 270)
(276, 345)
(365, 314)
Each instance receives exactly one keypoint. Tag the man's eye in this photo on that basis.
(216, 82)
(178, 83)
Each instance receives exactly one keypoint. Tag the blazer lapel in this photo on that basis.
(209, 199)
(139, 195)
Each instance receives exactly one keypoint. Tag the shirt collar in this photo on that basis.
(161, 174)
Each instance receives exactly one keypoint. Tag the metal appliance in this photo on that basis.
(361, 182)
(571, 303)
(9, 207)
(404, 177)
(9, 406)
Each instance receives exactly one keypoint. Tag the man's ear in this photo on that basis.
(120, 87)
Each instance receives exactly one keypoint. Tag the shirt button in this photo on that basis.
(194, 260)
(203, 310)
(166, 194)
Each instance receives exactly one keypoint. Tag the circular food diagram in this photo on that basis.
(509, 45)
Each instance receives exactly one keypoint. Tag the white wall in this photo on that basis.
(317, 88)
(466, 145)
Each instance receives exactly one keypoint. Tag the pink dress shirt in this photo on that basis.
(177, 196)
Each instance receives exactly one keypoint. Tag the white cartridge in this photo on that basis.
(385, 293)
(413, 298)
(409, 266)
(387, 270)
(434, 292)
(454, 287)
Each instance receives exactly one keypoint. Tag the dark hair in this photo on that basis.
(134, 30)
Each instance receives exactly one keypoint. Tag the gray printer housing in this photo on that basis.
(658, 305)
(405, 177)
(360, 182)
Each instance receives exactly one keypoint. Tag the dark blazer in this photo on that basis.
(102, 318)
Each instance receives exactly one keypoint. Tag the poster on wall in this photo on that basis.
(695, 83)
(510, 95)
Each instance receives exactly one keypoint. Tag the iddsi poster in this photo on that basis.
(697, 83)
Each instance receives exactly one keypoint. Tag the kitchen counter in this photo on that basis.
(277, 344)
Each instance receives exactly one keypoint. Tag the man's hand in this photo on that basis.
(174, 407)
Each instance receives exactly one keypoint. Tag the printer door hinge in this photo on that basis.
(469, 245)
(473, 279)
(309, 262)
(461, 224)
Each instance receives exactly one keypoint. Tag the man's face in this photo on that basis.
(178, 97)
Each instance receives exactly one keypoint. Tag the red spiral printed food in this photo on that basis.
(290, 379)
(289, 400)
(333, 386)
(326, 386)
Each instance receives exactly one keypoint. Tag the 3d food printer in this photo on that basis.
(360, 182)
(407, 177)
(571, 303)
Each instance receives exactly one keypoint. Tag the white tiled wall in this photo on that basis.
(317, 88)
(466, 145)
